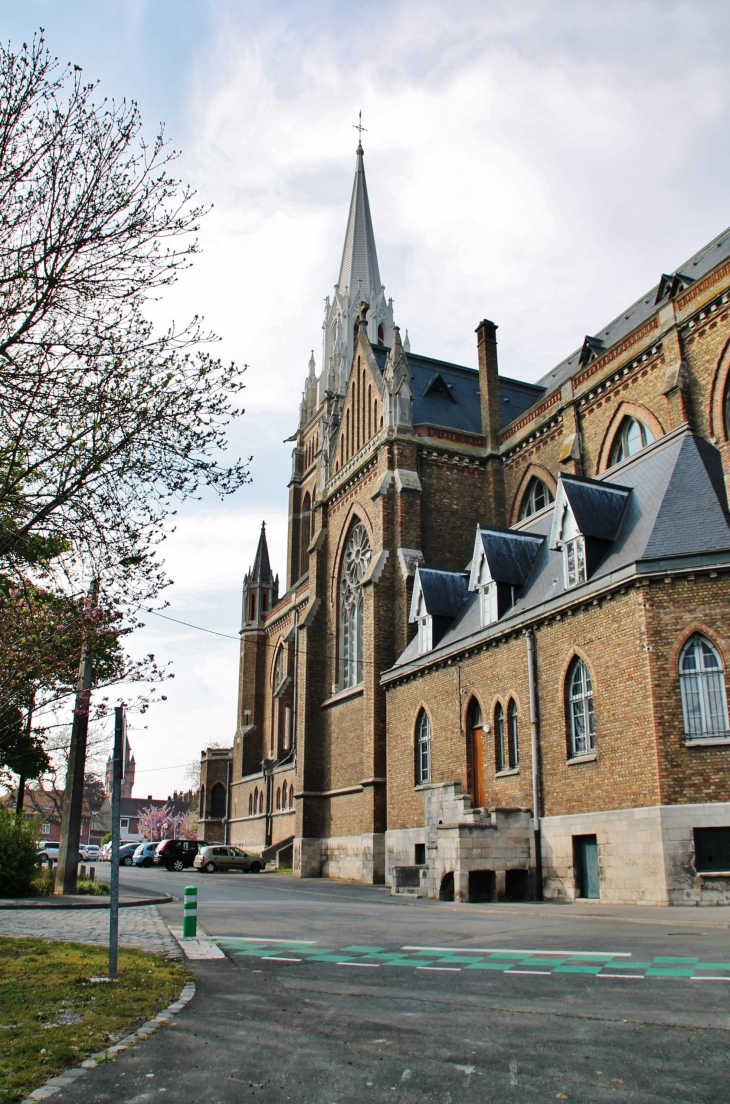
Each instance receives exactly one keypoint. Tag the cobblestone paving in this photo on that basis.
(141, 927)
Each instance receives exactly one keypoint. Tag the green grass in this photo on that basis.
(43, 984)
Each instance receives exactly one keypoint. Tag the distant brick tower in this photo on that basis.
(129, 769)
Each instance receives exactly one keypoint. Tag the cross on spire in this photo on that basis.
(359, 128)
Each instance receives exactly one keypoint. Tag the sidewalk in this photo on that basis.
(139, 928)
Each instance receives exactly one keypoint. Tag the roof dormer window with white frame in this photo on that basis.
(425, 626)
(501, 563)
(438, 597)
(586, 521)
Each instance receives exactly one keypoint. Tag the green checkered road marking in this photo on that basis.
(505, 961)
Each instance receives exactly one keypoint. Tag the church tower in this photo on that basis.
(358, 283)
(260, 586)
(129, 771)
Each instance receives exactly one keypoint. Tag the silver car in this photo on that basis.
(217, 857)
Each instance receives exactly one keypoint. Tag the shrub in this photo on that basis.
(19, 858)
(105, 839)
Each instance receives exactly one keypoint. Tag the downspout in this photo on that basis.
(535, 751)
(294, 689)
(229, 767)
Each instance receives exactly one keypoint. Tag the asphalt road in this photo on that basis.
(333, 993)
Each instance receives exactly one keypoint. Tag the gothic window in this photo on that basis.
(702, 682)
(475, 753)
(500, 756)
(354, 565)
(284, 796)
(291, 796)
(278, 798)
(256, 801)
(305, 533)
(513, 741)
(261, 802)
(250, 804)
(279, 669)
(631, 438)
(537, 496)
(381, 334)
(218, 801)
(423, 748)
(581, 720)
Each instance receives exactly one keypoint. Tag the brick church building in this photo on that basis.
(497, 667)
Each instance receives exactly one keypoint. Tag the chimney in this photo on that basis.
(491, 400)
(149, 797)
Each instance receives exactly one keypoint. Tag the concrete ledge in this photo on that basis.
(80, 902)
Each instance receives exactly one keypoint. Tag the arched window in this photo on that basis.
(256, 801)
(218, 800)
(580, 710)
(261, 802)
(702, 680)
(537, 496)
(285, 796)
(354, 565)
(202, 801)
(513, 741)
(291, 796)
(631, 438)
(475, 752)
(279, 668)
(250, 804)
(278, 797)
(423, 748)
(500, 757)
(381, 334)
(305, 533)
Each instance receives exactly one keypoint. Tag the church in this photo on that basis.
(495, 669)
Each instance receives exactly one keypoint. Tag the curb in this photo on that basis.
(67, 1078)
(29, 903)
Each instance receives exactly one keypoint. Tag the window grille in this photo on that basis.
(537, 496)
(702, 682)
(575, 562)
(632, 437)
(514, 749)
(580, 703)
(499, 748)
(355, 564)
(423, 748)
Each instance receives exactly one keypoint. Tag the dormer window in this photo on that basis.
(500, 565)
(574, 562)
(425, 626)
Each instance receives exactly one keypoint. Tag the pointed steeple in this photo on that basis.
(359, 282)
(261, 570)
(260, 587)
(359, 269)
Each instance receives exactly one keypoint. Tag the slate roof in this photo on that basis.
(510, 555)
(676, 507)
(444, 592)
(597, 506)
(695, 268)
(460, 409)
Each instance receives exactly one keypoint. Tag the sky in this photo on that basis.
(537, 162)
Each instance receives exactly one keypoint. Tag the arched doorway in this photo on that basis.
(475, 737)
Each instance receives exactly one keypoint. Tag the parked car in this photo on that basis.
(91, 851)
(176, 854)
(106, 851)
(144, 854)
(216, 857)
(48, 849)
(126, 854)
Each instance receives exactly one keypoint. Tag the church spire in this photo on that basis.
(260, 587)
(359, 282)
(359, 270)
(261, 570)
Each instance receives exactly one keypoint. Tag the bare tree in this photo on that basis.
(105, 425)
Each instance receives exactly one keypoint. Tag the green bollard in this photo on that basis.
(190, 912)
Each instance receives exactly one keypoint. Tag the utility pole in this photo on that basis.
(20, 801)
(117, 775)
(73, 798)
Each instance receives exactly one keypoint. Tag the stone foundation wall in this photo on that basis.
(353, 858)
(645, 855)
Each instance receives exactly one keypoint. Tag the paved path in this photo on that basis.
(141, 928)
(338, 994)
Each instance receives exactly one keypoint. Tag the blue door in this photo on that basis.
(586, 863)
